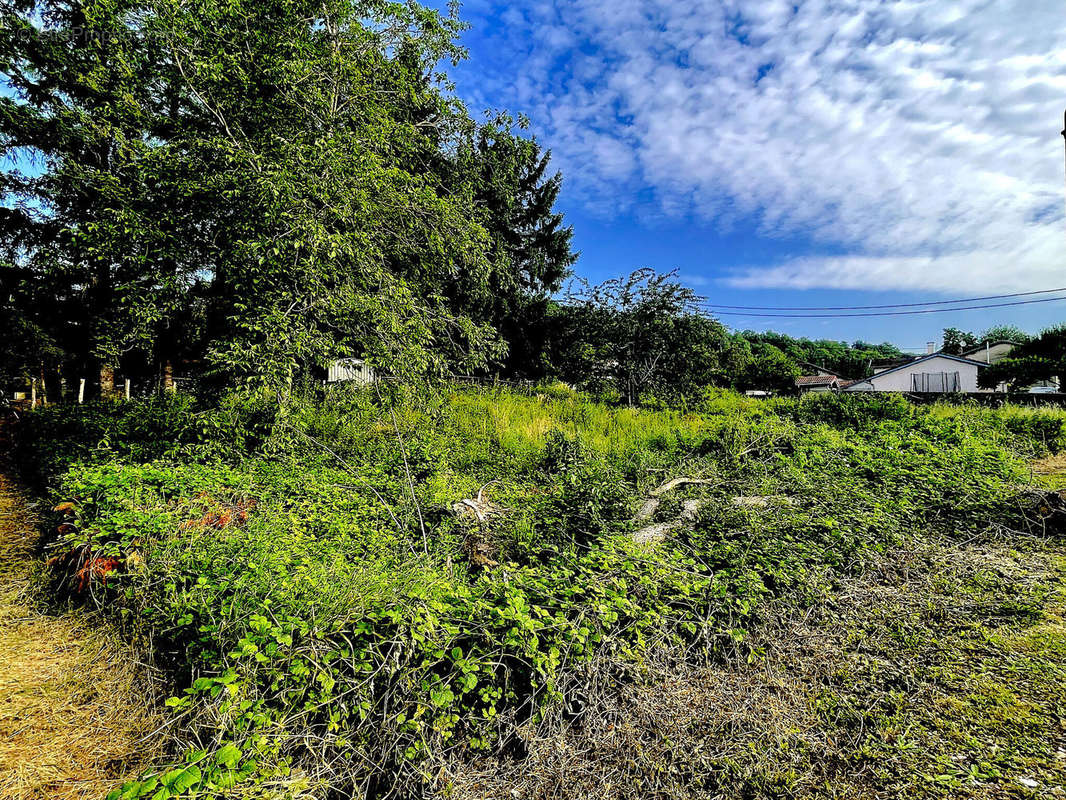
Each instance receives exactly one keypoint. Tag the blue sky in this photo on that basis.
(805, 152)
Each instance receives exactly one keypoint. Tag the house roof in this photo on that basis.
(895, 362)
(816, 380)
(960, 359)
(814, 368)
(983, 345)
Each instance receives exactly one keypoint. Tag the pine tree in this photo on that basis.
(531, 247)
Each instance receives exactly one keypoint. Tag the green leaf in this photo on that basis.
(228, 755)
(189, 778)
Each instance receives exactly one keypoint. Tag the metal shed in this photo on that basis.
(349, 370)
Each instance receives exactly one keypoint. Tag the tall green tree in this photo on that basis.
(531, 250)
(1004, 333)
(78, 87)
(638, 335)
(955, 341)
(768, 368)
(288, 167)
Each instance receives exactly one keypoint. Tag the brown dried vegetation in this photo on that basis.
(75, 706)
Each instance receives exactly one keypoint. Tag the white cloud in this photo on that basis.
(920, 135)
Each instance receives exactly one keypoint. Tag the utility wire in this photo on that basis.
(705, 301)
(716, 313)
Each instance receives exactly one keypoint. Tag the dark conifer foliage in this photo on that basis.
(532, 247)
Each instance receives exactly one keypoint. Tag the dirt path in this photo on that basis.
(72, 705)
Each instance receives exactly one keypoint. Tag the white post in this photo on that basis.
(127, 388)
(81, 391)
(33, 392)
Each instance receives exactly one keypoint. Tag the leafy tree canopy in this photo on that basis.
(264, 186)
(840, 358)
(637, 335)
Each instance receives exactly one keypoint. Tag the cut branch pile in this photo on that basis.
(656, 532)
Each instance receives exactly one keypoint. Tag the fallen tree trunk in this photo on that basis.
(659, 531)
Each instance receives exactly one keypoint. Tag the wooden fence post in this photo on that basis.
(127, 388)
(81, 391)
(33, 392)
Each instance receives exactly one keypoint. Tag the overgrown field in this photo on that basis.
(336, 622)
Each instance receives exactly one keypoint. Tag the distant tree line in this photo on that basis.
(642, 335)
(849, 361)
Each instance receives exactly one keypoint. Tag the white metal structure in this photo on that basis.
(353, 370)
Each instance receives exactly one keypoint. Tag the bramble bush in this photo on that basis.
(303, 581)
(53, 438)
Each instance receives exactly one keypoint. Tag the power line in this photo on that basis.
(883, 313)
(705, 301)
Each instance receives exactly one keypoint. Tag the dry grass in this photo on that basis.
(1051, 471)
(75, 707)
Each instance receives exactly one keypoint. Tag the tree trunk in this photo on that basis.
(107, 381)
(168, 376)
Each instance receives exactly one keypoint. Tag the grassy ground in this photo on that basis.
(856, 598)
(1051, 471)
(939, 672)
(73, 705)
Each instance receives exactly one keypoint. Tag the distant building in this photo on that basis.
(990, 352)
(938, 373)
(826, 382)
(993, 352)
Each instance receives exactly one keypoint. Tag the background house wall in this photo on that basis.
(901, 380)
(990, 353)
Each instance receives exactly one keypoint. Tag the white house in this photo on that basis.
(990, 352)
(939, 373)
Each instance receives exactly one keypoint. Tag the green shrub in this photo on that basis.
(52, 438)
(853, 410)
